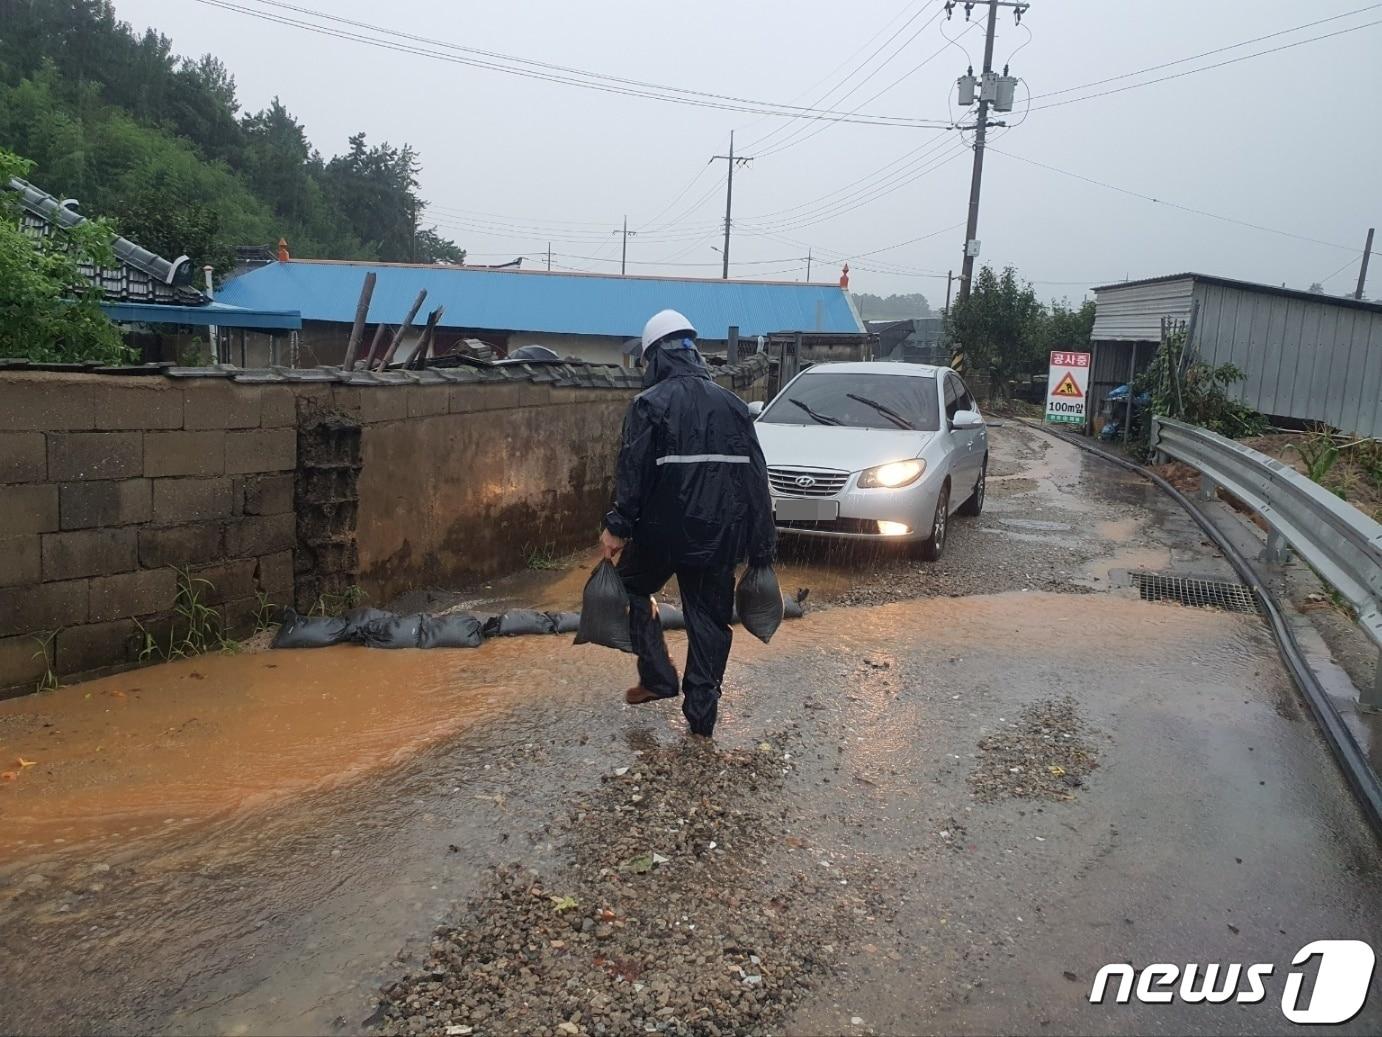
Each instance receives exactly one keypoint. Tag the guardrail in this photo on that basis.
(1334, 538)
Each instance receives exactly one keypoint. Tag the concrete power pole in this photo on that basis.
(733, 160)
(976, 179)
(1363, 270)
(993, 91)
(624, 252)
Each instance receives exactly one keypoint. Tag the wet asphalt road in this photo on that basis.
(1215, 828)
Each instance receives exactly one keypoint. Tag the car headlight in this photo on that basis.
(891, 476)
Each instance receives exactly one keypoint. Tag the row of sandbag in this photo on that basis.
(376, 628)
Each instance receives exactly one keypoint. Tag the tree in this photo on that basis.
(48, 310)
(892, 307)
(1057, 326)
(157, 143)
(997, 325)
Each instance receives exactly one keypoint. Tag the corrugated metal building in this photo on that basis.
(1305, 356)
(590, 316)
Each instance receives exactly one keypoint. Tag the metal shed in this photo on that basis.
(1305, 356)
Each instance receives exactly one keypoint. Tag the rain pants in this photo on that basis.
(692, 499)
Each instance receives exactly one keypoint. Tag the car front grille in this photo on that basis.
(786, 482)
(859, 527)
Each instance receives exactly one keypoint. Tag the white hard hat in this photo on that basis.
(667, 322)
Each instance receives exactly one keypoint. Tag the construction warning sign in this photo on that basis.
(1068, 388)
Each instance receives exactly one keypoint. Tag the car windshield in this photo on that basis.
(859, 401)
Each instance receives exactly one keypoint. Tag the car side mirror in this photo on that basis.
(966, 419)
(756, 408)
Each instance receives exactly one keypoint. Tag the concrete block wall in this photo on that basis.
(291, 485)
(108, 483)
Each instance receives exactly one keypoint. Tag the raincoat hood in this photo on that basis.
(672, 360)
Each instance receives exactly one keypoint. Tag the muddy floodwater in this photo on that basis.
(256, 843)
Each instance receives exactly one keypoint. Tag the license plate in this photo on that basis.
(789, 509)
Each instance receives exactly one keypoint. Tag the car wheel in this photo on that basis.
(931, 548)
(975, 504)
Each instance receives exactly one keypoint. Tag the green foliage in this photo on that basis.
(1059, 327)
(891, 307)
(997, 324)
(1320, 452)
(48, 310)
(197, 628)
(158, 144)
(49, 681)
(543, 558)
(333, 603)
(1191, 391)
(264, 612)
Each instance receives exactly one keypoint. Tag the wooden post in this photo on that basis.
(358, 328)
(375, 345)
(402, 328)
(424, 343)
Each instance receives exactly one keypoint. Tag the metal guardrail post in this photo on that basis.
(1342, 545)
(1276, 551)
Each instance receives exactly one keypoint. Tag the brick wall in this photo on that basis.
(291, 485)
(107, 483)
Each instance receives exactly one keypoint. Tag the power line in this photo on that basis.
(1174, 205)
(873, 194)
(797, 136)
(829, 75)
(784, 144)
(859, 68)
(1205, 68)
(913, 158)
(547, 72)
(1204, 54)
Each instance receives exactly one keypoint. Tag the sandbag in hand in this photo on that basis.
(605, 610)
(758, 600)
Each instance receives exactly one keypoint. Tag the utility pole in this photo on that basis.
(993, 91)
(729, 193)
(808, 266)
(549, 256)
(1363, 270)
(624, 252)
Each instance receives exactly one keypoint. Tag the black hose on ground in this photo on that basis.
(1347, 752)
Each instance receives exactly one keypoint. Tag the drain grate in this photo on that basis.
(1205, 594)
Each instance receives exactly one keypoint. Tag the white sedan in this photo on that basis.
(874, 451)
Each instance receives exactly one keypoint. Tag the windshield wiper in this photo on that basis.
(820, 419)
(887, 412)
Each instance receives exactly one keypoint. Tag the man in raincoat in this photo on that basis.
(691, 501)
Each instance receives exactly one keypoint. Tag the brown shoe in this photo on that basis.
(638, 695)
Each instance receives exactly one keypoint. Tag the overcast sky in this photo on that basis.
(1287, 140)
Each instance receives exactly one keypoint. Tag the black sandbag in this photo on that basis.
(670, 616)
(565, 622)
(604, 610)
(453, 630)
(394, 631)
(358, 619)
(517, 622)
(309, 631)
(758, 599)
(795, 608)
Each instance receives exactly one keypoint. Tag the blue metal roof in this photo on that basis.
(537, 301)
